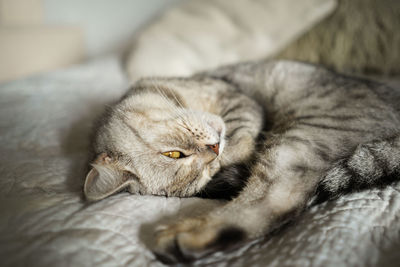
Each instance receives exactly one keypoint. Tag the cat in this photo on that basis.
(283, 134)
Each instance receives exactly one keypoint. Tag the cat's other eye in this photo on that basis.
(174, 154)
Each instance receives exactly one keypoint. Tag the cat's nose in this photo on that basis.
(214, 148)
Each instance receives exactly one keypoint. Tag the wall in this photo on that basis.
(42, 35)
(108, 24)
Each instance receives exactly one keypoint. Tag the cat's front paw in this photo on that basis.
(194, 238)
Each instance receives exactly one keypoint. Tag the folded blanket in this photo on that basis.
(202, 34)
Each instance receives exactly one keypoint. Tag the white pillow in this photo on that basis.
(201, 34)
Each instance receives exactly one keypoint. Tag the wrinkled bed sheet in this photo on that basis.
(45, 124)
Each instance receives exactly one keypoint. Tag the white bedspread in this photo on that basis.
(44, 221)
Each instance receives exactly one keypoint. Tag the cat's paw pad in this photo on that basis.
(193, 239)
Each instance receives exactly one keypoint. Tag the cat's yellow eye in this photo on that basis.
(173, 154)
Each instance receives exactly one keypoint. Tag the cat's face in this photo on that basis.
(152, 144)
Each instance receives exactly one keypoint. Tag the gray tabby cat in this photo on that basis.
(299, 133)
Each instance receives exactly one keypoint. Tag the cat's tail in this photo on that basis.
(372, 164)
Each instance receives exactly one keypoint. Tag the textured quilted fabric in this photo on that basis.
(45, 122)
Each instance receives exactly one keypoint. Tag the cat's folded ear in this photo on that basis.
(104, 179)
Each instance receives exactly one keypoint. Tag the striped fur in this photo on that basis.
(161, 115)
(371, 164)
(294, 134)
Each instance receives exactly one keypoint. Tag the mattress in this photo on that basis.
(45, 123)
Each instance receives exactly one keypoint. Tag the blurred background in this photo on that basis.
(42, 35)
(351, 36)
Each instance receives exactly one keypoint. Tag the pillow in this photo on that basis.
(202, 34)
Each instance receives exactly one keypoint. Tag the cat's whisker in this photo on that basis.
(177, 110)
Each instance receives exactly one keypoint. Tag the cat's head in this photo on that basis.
(151, 143)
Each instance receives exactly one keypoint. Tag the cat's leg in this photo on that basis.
(371, 164)
(280, 185)
(243, 119)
